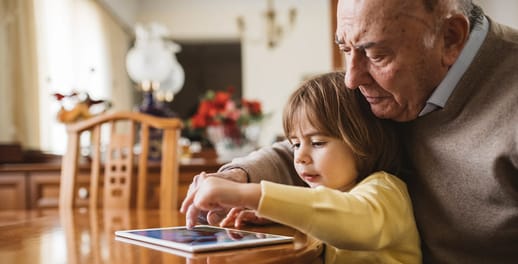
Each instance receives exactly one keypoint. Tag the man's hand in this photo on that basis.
(213, 217)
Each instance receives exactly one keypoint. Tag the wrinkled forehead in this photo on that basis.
(359, 18)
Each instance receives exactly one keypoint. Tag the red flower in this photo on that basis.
(221, 99)
(254, 107)
(219, 108)
(198, 121)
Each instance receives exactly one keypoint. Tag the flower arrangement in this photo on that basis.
(219, 108)
(232, 126)
(78, 106)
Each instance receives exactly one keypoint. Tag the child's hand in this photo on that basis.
(194, 214)
(238, 217)
(214, 194)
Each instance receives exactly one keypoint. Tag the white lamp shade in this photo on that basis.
(150, 61)
(153, 60)
(173, 83)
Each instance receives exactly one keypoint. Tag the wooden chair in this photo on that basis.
(119, 160)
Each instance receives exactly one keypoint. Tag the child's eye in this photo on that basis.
(318, 143)
(295, 145)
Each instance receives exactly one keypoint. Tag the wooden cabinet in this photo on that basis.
(43, 189)
(12, 190)
(36, 185)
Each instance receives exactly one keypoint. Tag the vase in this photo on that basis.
(232, 141)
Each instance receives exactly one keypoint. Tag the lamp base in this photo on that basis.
(151, 106)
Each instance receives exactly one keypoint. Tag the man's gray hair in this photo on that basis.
(466, 7)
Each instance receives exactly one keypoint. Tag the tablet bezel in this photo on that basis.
(271, 239)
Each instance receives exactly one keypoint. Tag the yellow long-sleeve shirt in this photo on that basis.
(371, 223)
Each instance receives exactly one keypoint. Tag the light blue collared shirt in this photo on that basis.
(443, 91)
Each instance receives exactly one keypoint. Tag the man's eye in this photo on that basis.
(345, 50)
(376, 58)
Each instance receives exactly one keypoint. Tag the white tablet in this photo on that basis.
(202, 238)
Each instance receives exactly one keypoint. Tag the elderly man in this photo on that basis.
(449, 74)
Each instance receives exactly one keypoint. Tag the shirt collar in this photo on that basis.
(443, 91)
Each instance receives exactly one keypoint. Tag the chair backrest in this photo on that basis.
(114, 155)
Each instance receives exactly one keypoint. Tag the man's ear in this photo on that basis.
(455, 34)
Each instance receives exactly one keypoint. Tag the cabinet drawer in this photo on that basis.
(12, 191)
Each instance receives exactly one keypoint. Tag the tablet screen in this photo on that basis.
(203, 238)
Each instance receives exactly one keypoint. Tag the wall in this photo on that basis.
(124, 10)
(503, 11)
(269, 75)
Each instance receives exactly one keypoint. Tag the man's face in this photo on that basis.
(393, 54)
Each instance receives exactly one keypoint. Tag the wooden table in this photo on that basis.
(87, 236)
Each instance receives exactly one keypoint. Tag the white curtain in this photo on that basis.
(18, 89)
(64, 45)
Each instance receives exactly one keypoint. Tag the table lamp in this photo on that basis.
(152, 64)
(174, 80)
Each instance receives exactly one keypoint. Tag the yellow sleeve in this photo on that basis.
(370, 216)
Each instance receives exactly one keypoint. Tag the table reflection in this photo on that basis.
(87, 236)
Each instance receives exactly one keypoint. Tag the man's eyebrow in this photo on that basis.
(367, 45)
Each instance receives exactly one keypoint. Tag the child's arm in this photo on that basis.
(374, 215)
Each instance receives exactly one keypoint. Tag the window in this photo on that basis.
(75, 47)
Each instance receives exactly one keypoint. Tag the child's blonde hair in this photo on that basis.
(343, 113)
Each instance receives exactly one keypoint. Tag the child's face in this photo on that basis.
(322, 160)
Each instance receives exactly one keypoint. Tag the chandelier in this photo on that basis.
(274, 30)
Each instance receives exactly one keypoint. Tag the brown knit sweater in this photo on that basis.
(465, 189)
(465, 185)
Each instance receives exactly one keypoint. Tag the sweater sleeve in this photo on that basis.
(371, 216)
(272, 163)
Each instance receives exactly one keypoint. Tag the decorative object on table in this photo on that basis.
(78, 106)
(232, 126)
(152, 64)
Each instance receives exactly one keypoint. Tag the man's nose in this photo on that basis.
(356, 73)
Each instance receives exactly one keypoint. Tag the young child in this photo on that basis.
(346, 155)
